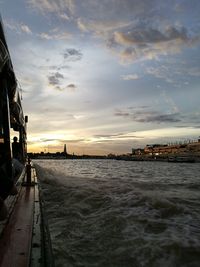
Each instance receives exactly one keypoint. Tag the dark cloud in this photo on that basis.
(122, 114)
(145, 41)
(59, 75)
(143, 37)
(72, 54)
(150, 116)
(139, 107)
(71, 87)
(162, 118)
(55, 78)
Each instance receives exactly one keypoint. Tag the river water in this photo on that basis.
(118, 214)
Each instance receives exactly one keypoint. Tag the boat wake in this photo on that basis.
(109, 220)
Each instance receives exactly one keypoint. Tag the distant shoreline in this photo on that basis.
(180, 152)
(167, 158)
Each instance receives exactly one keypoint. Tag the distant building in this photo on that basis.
(137, 151)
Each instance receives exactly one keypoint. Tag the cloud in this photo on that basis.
(150, 116)
(57, 6)
(64, 16)
(175, 74)
(72, 54)
(26, 29)
(94, 8)
(161, 72)
(139, 107)
(189, 126)
(19, 28)
(52, 35)
(117, 136)
(129, 77)
(122, 114)
(10, 25)
(101, 28)
(193, 71)
(55, 78)
(71, 87)
(46, 36)
(63, 141)
(64, 67)
(54, 67)
(134, 30)
(160, 118)
(145, 36)
(168, 100)
(144, 42)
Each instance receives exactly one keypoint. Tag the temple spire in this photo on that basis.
(65, 149)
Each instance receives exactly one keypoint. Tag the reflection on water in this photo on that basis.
(120, 214)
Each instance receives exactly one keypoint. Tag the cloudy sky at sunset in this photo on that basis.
(106, 76)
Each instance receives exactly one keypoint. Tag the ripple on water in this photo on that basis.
(121, 214)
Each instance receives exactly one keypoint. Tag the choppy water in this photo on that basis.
(120, 214)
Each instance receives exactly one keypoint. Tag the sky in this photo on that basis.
(106, 76)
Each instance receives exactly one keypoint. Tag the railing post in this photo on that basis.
(28, 172)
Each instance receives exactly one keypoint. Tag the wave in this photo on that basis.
(113, 221)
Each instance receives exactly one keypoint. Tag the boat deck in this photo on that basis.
(18, 229)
